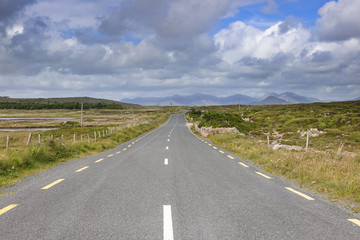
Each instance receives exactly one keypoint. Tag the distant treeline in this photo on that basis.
(69, 105)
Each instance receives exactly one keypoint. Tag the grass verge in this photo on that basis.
(21, 162)
(337, 176)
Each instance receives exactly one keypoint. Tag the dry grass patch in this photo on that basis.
(338, 176)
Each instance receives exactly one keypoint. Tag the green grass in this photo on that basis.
(16, 163)
(322, 170)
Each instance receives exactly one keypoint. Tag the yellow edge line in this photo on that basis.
(299, 193)
(356, 221)
(129, 146)
(118, 152)
(110, 155)
(8, 208)
(79, 170)
(243, 164)
(99, 160)
(231, 157)
(124, 149)
(221, 151)
(263, 175)
(214, 147)
(54, 183)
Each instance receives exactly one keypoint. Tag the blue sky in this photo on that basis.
(128, 48)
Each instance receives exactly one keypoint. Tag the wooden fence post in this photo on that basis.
(307, 139)
(29, 139)
(74, 137)
(88, 139)
(99, 134)
(95, 136)
(39, 139)
(62, 138)
(7, 142)
(268, 140)
(81, 138)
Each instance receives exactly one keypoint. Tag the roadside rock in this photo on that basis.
(314, 132)
(287, 147)
(205, 131)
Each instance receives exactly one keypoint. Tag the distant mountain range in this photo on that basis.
(206, 100)
(63, 100)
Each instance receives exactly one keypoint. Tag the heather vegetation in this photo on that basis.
(332, 164)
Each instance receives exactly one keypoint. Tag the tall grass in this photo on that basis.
(338, 176)
(16, 163)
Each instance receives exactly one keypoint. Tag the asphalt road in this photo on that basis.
(167, 184)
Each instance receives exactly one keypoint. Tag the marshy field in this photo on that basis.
(331, 165)
(27, 145)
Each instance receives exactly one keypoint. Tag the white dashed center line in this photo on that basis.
(166, 161)
(168, 227)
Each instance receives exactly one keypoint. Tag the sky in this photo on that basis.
(117, 49)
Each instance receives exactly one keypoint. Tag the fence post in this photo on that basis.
(39, 139)
(81, 138)
(340, 148)
(95, 135)
(88, 139)
(268, 140)
(7, 142)
(99, 134)
(74, 137)
(307, 140)
(62, 138)
(103, 133)
(29, 139)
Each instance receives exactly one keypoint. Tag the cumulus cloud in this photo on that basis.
(339, 20)
(116, 49)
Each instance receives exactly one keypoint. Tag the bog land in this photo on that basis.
(331, 165)
(23, 153)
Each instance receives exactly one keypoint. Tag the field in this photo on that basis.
(332, 164)
(68, 140)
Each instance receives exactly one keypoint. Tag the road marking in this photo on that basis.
(110, 155)
(221, 151)
(205, 142)
(243, 164)
(299, 193)
(132, 142)
(168, 226)
(54, 183)
(81, 169)
(231, 157)
(166, 161)
(356, 221)
(167, 147)
(8, 208)
(118, 152)
(214, 147)
(129, 146)
(124, 149)
(263, 175)
(209, 144)
(99, 160)
(168, 140)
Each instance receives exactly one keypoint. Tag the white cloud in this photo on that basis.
(339, 20)
(83, 48)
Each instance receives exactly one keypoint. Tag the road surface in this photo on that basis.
(167, 184)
